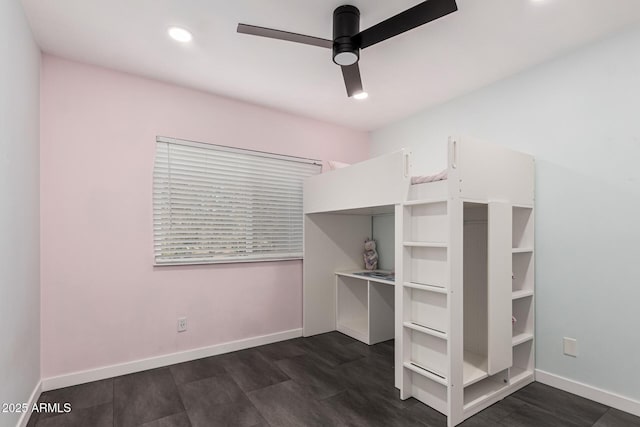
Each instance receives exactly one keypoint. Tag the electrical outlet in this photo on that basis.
(182, 324)
(570, 346)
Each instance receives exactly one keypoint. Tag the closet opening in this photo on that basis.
(475, 291)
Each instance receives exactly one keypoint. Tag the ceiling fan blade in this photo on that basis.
(420, 14)
(284, 35)
(352, 80)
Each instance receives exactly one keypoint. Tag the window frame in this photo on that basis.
(239, 257)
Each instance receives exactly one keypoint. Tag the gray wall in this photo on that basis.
(19, 209)
(580, 117)
(383, 230)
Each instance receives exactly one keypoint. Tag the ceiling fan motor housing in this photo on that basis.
(346, 23)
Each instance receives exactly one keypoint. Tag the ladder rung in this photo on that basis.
(426, 330)
(428, 288)
(433, 376)
(425, 244)
(423, 202)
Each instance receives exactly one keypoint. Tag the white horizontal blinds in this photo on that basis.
(220, 204)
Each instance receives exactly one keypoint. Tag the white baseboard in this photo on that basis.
(35, 395)
(101, 373)
(608, 398)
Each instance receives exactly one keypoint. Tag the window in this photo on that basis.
(219, 204)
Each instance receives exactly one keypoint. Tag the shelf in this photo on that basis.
(423, 202)
(433, 376)
(428, 288)
(521, 250)
(425, 244)
(354, 274)
(521, 338)
(425, 330)
(519, 374)
(474, 368)
(521, 294)
(481, 392)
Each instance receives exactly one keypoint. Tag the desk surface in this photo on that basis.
(378, 276)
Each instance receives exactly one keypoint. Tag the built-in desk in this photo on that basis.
(365, 304)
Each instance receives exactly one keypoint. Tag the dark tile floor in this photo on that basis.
(325, 380)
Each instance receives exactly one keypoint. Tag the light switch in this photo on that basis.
(570, 346)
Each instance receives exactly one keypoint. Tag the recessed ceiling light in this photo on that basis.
(180, 34)
(361, 95)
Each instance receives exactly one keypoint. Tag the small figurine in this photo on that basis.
(370, 254)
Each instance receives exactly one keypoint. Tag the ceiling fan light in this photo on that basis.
(361, 95)
(345, 58)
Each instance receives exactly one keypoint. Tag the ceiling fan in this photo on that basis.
(348, 39)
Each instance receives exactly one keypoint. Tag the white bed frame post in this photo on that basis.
(399, 294)
(456, 294)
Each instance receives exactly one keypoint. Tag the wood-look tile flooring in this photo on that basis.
(325, 380)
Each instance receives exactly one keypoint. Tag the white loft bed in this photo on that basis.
(381, 181)
(465, 235)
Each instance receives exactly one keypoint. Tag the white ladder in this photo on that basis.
(425, 299)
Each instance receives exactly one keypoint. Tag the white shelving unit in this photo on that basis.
(364, 306)
(523, 295)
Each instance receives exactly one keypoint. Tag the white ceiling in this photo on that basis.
(485, 41)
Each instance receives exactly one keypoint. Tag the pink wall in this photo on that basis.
(103, 302)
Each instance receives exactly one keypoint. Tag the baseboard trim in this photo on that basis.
(101, 373)
(35, 395)
(608, 398)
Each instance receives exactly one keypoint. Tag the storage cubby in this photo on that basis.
(523, 362)
(365, 307)
(427, 265)
(484, 389)
(381, 312)
(523, 325)
(523, 271)
(353, 307)
(522, 236)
